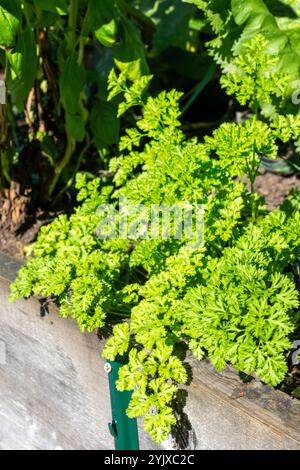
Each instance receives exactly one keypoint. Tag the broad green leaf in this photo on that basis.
(13, 7)
(71, 85)
(76, 126)
(242, 11)
(100, 13)
(130, 55)
(107, 34)
(54, 6)
(10, 14)
(23, 62)
(104, 123)
(172, 19)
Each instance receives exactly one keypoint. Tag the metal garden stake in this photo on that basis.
(122, 428)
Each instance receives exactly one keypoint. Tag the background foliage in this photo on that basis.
(57, 56)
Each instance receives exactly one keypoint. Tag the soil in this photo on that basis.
(275, 188)
(20, 224)
(14, 244)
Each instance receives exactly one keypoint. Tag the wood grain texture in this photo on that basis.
(54, 392)
(53, 389)
(225, 413)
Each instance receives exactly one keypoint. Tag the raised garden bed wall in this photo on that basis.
(54, 391)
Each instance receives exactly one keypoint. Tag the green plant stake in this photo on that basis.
(122, 428)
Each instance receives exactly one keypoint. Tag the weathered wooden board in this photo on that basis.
(54, 391)
(228, 414)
